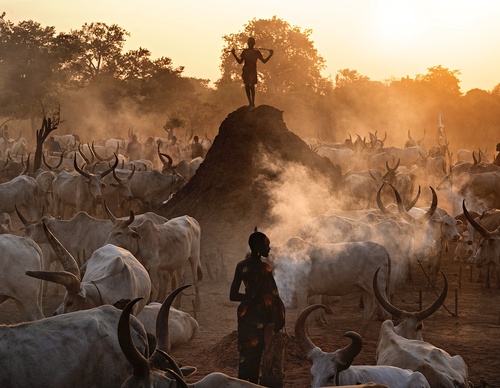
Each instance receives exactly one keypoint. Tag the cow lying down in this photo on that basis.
(182, 327)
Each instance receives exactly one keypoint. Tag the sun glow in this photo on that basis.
(398, 22)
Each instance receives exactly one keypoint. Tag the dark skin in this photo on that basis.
(250, 57)
(235, 295)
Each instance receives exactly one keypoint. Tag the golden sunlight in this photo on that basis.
(398, 22)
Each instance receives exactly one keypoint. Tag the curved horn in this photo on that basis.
(373, 176)
(80, 171)
(117, 178)
(415, 200)
(111, 216)
(428, 214)
(139, 363)
(130, 218)
(66, 279)
(108, 159)
(67, 260)
(104, 173)
(421, 315)
(389, 169)
(474, 157)
(53, 168)
(348, 353)
(384, 303)
(381, 206)
(401, 207)
(132, 173)
(303, 339)
(83, 155)
(409, 135)
(23, 219)
(482, 231)
(162, 334)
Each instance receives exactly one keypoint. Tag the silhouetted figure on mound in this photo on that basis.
(249, 74)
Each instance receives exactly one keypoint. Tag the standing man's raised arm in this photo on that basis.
(239, 60)
(271, 52)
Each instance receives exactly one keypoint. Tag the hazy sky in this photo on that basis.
(380, 39)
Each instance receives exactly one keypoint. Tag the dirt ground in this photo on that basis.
(474, 333)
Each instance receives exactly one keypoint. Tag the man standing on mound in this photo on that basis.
(249, 74)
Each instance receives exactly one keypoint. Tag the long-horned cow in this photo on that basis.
(164, 247)
(80, 349)
(307, 269)
(112, 273)
(404, 347)
(82, 191)
(332, 369)
(160, 369)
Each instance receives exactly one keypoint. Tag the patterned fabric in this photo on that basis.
(262, 307)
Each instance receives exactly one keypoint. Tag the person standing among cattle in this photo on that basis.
(261, 309)
(196, 148)
(496, 161)
(249, 74)
(134, 149)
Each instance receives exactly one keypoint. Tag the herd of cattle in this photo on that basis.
(81, 232)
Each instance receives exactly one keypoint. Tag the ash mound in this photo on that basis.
(229, 194)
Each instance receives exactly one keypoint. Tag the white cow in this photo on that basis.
(82, 191)
(332, 369)
(181, 325)
(22, 192)
(111, 274)
(184, 168)
(164, 247)
(404, 347)
(305, 269)
(18, 254)
(80, 349)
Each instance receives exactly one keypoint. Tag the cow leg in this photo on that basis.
(155, 275)
(194, 273)
(318, 316)
(369, 310)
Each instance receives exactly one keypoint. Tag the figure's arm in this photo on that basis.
(234, 294)
(239, 60)
(271, 52)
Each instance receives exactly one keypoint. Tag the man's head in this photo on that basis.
(498, 147)
(259, 243)
(251, 42)
(196, 139)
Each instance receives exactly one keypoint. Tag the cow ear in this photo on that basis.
(188, 370)
(114, 184)
(136, 235)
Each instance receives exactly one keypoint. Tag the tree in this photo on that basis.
(441, 79)
(30, 67)
(295, 67)
(98, 49)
